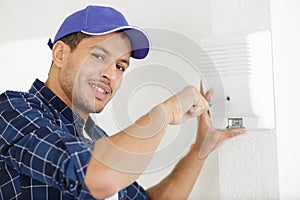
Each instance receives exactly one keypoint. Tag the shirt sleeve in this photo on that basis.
(136, 191)
(34, 144)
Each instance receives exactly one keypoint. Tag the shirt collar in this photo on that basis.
(39, 89)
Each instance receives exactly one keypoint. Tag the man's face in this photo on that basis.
(93, 71)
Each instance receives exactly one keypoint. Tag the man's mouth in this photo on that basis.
(99, 89)
(102, 90)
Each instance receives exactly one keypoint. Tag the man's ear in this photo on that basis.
(59, 53)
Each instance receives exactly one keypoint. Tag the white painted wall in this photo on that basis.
(286, 30)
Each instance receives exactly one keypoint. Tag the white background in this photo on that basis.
(286, 30)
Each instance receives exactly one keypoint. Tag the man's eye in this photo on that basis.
(98, 56)
(121, 68)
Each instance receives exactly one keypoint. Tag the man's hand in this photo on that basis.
(186, 104)
(209, 138)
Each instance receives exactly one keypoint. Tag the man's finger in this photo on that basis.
(209, 94)
(201, 89)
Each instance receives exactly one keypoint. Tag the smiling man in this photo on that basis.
(51, 149)
(89, 75)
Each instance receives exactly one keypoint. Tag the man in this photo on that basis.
(46, 148)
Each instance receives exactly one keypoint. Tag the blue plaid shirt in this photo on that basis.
(43, 154)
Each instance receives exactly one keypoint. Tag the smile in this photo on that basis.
(99, 89)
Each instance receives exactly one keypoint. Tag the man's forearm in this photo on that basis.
(145, 134)
(179, 183)
(124, 156)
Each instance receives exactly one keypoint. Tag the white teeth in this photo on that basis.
(99, 89)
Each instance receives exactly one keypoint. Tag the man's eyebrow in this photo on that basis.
(100, 48)
(125, 61)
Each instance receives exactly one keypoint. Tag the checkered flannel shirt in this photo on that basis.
(43, 154)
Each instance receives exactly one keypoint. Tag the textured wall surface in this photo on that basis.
(248, 167)
(230, 16)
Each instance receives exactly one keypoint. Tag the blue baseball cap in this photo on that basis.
(100, 20)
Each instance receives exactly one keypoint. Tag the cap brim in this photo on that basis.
(140, 41)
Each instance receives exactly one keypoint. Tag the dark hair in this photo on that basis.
(73, 39)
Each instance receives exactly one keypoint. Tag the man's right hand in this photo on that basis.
(186, 104)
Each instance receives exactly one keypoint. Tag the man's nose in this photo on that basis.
(110, 72)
